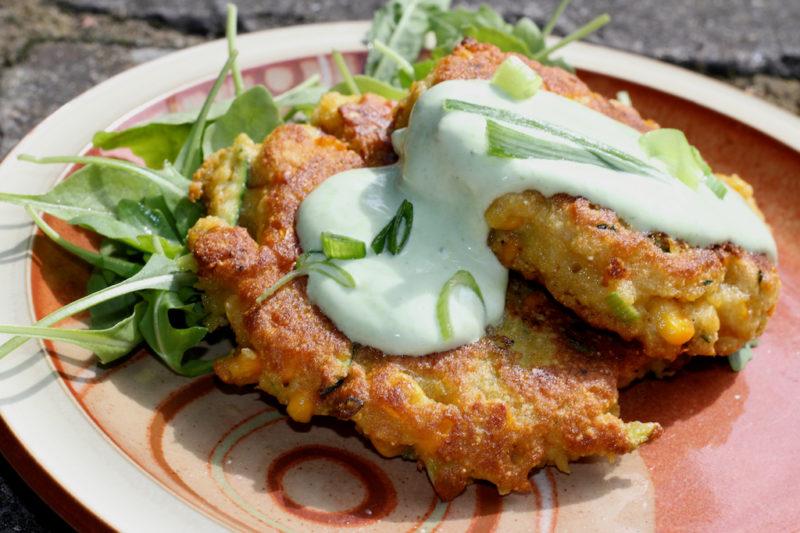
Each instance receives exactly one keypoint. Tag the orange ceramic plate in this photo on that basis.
(140, 448)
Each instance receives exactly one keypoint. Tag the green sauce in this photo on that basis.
(445, 172)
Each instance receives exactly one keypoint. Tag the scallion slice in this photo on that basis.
(621, 309)
(612, 156)
(342, 247)
(716, 185)
(387, 237)
(516, 78)
(511, 143)
(672, 148)
(462, 278)
(741, 357)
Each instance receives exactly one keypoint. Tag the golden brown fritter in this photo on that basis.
(697, 301)
(473, 60)
(541, 388)
(360, 121)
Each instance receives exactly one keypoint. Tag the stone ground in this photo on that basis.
(52, 50)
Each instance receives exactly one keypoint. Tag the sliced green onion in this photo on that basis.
(671, 147)
(716, 185)
(511, 143)
(345, 72)
(616, 158)
(462, 278)
(516, 78)
(624, 98)
(388, 236)
(342, 247)
(741, 357)
(621, 309)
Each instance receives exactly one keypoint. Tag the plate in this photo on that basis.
(134, 447)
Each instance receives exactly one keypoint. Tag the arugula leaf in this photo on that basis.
(366, 84)
(107, 344)
(158, 273)
(529, 33)
(105, 314)
(254, 112)
(116, 265)
(169, 342)
(401, 25)
(505, 41)
(306, 94)
(158, 140)
(90, 190)
(190, 156)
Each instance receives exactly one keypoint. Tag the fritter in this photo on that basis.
(691, 300)
(540, 388)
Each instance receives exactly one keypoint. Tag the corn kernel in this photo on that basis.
(673, 326)
(301, 406)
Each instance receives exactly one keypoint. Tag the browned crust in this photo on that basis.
(363, 122)
(473, 60)
(493, 410)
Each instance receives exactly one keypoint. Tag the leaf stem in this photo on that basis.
(346, 75)
(230, 33)
(114, 264)
(111, 162)
(578, 34)
(551, 23)
(189, 157)
(308, 82)
(404, 65)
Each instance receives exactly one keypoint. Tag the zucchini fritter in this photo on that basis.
(691, 300)
(540, 388)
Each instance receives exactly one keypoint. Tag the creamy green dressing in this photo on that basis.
(445, 172)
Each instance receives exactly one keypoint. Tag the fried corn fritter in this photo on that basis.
(540, 388)
(690, 300)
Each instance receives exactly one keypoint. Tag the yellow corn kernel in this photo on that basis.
(301, 406)
(673, 326)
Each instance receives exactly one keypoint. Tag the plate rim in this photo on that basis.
(56, 485)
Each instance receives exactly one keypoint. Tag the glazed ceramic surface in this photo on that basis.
(134, 447)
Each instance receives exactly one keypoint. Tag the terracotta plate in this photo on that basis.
(135, 447)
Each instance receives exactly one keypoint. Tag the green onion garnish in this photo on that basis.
(621, 309)
(516, 78)
(741, 357)
(387, 237)
(342, 247)
(681, 158)
(716, 185)
(508, 142)
(614, 157)
(623, 97)
(461, 278)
